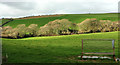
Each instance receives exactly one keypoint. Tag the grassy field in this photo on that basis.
(53, 49)
(76, 18)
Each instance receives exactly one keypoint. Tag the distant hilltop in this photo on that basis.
(51, 15)
(29, 17)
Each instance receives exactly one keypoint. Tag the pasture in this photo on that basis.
(75, 18)
(53, 49)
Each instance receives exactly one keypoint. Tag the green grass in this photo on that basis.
(75, 18)
(52, 49)
(97, 45)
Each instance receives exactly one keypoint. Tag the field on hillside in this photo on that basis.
(75, 18)
(52, 49)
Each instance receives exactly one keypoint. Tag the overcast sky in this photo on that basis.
(14, 8)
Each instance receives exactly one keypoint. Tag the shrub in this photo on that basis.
(58, 27)
(89, 25)
(45, 31)
(28, 32)
(107, 26)
(32, 30)
(73, 28)
(6, 31)
(6, 28)
(115, 26)
(21, 29)
(13, 34)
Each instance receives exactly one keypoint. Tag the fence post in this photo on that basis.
(82, 50)
(113, 44)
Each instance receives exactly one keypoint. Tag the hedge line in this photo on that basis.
(60, 27)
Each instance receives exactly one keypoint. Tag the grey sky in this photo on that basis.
(14, 8)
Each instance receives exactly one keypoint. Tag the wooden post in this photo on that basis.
(113, 43)
(82, 51)
(114, 55)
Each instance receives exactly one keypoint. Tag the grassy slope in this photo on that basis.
(75, 18)
(53, 49)
(4, 20)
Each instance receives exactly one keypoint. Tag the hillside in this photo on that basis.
(75, 18)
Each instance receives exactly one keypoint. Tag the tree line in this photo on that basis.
(60, 27)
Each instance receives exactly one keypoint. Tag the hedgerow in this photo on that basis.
(60, 27)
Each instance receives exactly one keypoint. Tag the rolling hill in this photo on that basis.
(75, 18)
